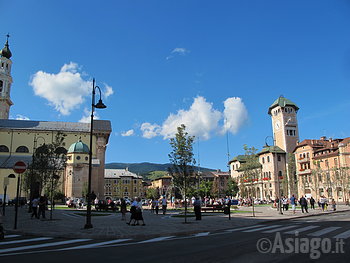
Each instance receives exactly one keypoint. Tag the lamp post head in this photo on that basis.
(100, 105)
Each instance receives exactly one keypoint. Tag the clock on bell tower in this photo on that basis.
(283, 113)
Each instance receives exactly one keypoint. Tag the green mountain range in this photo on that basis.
(147, 170)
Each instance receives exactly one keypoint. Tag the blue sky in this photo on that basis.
(161, 63)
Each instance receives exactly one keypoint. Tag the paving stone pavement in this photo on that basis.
(69, 223)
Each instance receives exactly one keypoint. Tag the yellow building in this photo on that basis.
(20, 138)
(323, 168)
(121, 183)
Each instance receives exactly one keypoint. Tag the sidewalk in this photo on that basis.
(70, 223)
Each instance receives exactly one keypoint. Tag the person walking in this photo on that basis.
(303, 204)
(334, 205)
(312, 203)
(138, 212)
(35, 203)
(152, 205)
(164, 204)
(197, 208)
(322, 202)
(42, 207)
(123, 209)
(156, 206)
(293, 203)
(133, 212)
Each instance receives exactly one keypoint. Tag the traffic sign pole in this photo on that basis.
(16, 204)
(19, 167)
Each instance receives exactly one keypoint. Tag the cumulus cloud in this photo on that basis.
(21, 117)
(87, 116)
(201, 120)
(128, 133)
(66, 90)
(235, 115)
(150, 130)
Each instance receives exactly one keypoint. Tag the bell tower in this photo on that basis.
(284, 123)
(5, 80)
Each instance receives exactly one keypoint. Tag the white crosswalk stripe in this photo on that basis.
(202, 234)
(242, 228)
(97, 244)
(156, 239)
(324, 231)
(344, 235)
(51, 244)
(299, 230)
(260, 228)
(279, 229)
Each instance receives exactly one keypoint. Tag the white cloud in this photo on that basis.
(128, 133)
(180, 50)
(21, 117)
(87, 116)
(108, 91)
(150, 130)
(66, 90)
(201, 120)
(235, 114)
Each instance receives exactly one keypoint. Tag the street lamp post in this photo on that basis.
(99, 105)
(6, 182)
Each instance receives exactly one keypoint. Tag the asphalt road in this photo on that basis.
(322, 238)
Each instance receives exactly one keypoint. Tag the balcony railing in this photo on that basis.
(304, 171)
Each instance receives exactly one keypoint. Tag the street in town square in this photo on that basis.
(215, 238)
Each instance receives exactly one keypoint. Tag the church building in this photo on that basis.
(20, 138)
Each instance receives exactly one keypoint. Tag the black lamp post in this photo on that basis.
(5, 190)
(99, 105)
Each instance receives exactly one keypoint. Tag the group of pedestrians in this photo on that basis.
(304, 202)
(136, 213)
(38, 206)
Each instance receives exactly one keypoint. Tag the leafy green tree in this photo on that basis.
(232, 187)
(205, 188)
(182, 160)
(152, 193)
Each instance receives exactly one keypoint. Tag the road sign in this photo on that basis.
(20, 167)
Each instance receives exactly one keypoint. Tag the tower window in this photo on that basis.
(4, 148)
(1, 85)
(22, 149)
(268, 159)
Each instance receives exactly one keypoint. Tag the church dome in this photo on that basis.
(78, 147)
(5, 52)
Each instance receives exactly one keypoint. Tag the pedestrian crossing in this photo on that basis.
(311, 230)
(17, 244)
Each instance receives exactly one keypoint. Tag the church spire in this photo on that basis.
(5, 52)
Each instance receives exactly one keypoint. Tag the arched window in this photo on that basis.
(4, 149)
(280, 173)
(268, 159)
(1, 85)
(22, 149)
(263, 160)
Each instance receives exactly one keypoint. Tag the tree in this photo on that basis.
(48, 163)
(291, 177)
(205, 188)
(251, 170)
(232, 187)
(182, 160)
(152, 193)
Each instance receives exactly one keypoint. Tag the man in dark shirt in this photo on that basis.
(303, 204)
